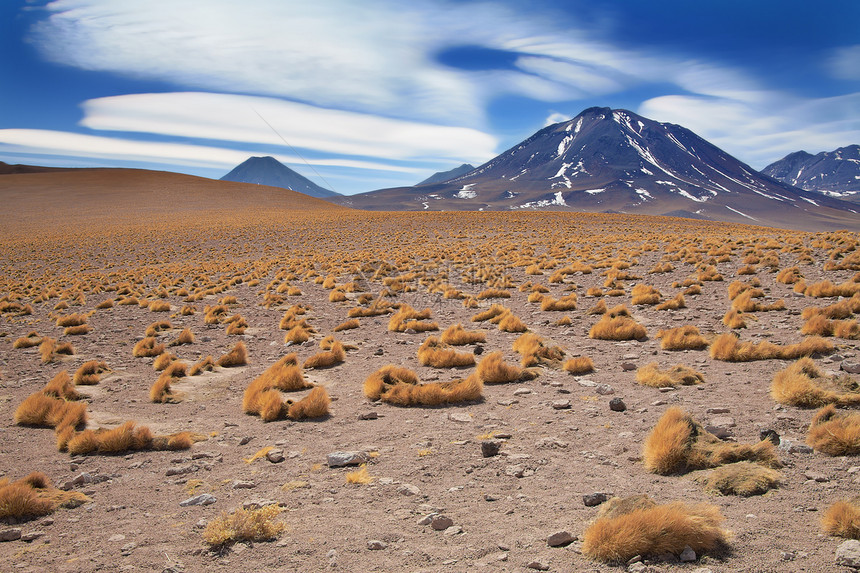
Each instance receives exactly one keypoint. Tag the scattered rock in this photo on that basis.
(478, 350)
(245, 440)
(116, 538)
(376, 545)
(561, 404)
(604, 389)
(32, 536)
(181, 470)
(10, 534)
(507, 403)
(816, 476)
(441, 522)
(592, 499)
(257, 503)
(368, 416)
(717, 410)
(490, 448)
(242, 484)
(275, 456)
(721, 432)
(793, 447)
(341, 459)
(617, 405)
(769, 435)
(550, 442)
(628, 366)
(848, 554)
(202, 499)
(522, 391)
(538, 565)
(459, 417)
(408, 489)
(560, 539)
(453, 530)
(687, 555)
(850, 366)
(378, 352)
(723, 422)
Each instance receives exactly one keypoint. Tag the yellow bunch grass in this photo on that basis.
(655, 530)
(163, 360)
(678, 444)
(494, 370)
(842, 519)
(511, 323)
(741, 478)
(578, 365)
(492, 312)
(673, 303)
(803, 385)
(599, 308)
(456, 335)
(205, 365)
(90, 372)
(32, 339)
(73, 319)
(147, 347)
(328, 358)
(400, 387)
(34, 496)
(727, 347)
(158, 327)
(685, 337)
(835, 433)
(407, 318)
(744, 303)
(185, 337)
(260, 524)
(534, 351)
(821, 326)
(565, 303)
(314, 405)
(61, 386)
(735, 319)
(678, 375)
(348, 325)
(617, 328)
(237, 356)
(645, 294)
(433, 352)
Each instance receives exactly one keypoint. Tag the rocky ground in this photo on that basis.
(435, 503)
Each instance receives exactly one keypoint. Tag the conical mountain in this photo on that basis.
(835, 173)
(269, 171)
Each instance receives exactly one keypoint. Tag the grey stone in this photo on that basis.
(538, 565)
(453, 530)
(560, 539)
(592, 499)
(242, 484)
(441, 522)
(376, 545)
(561, 404)
(717, 410)
(258, 502)
(628, 366)
(604, 389)
(850, 366)
(202, 499)
(408, 489)
(341, 459)
(275, 456)
(550, 442)
(490, 448)
(10, 534)
(816, 476)
(32, 536)
(848, 554)
(459, 417)
(687, 555)
(427, 519)
(368, 416)
(181, 470)
(769, 435)
(723, 422)
(522, 391)
(617, 405)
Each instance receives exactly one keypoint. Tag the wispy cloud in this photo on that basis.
(845, 63)
(247, 119)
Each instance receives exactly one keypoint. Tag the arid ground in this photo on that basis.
(71, 245)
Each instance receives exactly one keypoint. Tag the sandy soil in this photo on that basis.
(429, 459)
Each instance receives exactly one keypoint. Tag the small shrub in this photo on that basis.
(842, 519)
(741, 478)
(32, 339)
(205, 365)
(348, 325)
(90, 372)
(314, 405)
(185, 337)
(835, 433)
(360, 476)
(400, 386)
(147, 347)
(244, 525)
(678, 375)
(328, 358)
(617, 328)
(456, 335)
(433, 352)
(492, 312)
(34, 496)
(238, 356)
(805, 386)
(579, 365)
(728, 348)
(493, 370)
(682, 338)
(158, 327)
(159, 306)
(534, 351)
(673, 304)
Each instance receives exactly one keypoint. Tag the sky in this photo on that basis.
(360, 95)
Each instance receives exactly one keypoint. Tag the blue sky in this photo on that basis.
(362, 95)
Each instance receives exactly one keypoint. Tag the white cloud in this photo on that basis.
(845, 63)
(555, 117)
(60, 143)
(244, 119)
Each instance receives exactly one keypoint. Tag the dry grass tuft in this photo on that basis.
(185, 337)
(400, 386)
(158, 327)
(360, 476)
(163, 360)
(728, 348)
(32, 339)
(842, 519)
(819, 325)
(90, 373)
(744, 303)
(314, 405)
(599, 308)
(674, 303)
(645, 294)
(205, 365)
(579, 365)
(407, 318)
(147, 347)
(159, 306)
(238, 356)
(741, 478)
(617, 328)
(735, 319)
(50, 349)
(494, 370)
(492, 312)
(244, 525)
(678, 444)
(805, 386)
(678, 375)
(73, 319)
(509, 322)
(348, 325)
(682, 338)
(567, 302)
(534, 351)
(835, 433)
(326, 359)
(34, 496)
(433, 352)
(655, 530)
(456, 335)
(61, 387)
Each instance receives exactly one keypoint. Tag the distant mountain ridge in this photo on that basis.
(834, 173)
(443, 176)
(269, 171)
(606, 160)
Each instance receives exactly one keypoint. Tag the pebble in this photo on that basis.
(202, 499)
(617, 405)
(723, 422)
(32, 536)
(376, 545)
(275, 456)
(769, 435)
(507, 403)
(848, 554)
(441, 522)
(453, 530)
(245, 440)
(10, 534)
(490, 448)
(604, 389)
(560, 539)
(181, 470)
(592, 499)
(850, 366)
(116, 538)
(341, 459)
(368, 416)
(561, 404)
(522, 391)
(718, 410)
(628, 366)
(816, 476)
(538, 565)
(459, 417)
(242, 484)
(408, 489)
(687, 555)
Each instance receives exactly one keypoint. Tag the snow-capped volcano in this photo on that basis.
(835, 173)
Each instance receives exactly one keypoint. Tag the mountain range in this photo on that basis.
(606, 160)
(269, 171)
(442, 176)
(835, 173)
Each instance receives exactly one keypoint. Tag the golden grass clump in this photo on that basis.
(825, 289)
(789, 276)
(727, 347)
(34, 496)
(161, 392)
(685, 337)
(842, 519)
(649, 529)
(578, 365)
(328, 358)
(803, 385)
(678, 444)
(60, 386)
(567, 302)
(360, 476)
(205, 365)
(400, 386)
(534, 351)
(127, 437)
(348, 325)
(314, 405)
(494, 370)
(456, 335)
(105, 304)
(509, 322)
(158, 327)
(735, 319)
(835, 433)
(73, 319)
(163, 360)
(32, 339)
(185, 337)
(821, 326)
(673, 303)
(492, 312)
(741, 478)
(297, 335)
(407, 318)
(433, 352)
(50, 349)
(617, 328)
(159, 306)
(258, 524)
(237, 356)
(284, 375)
(493, 293)
(744, 302)
(77, 330)
(599, 308)
(678, 375)
(147, 347)
(645, 294)
(90, 372)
